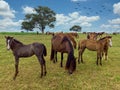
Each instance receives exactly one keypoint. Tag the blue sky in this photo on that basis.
(91, 15)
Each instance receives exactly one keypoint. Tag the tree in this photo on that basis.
(76, 28)
(43, 17)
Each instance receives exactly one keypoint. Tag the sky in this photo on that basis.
(91, 15)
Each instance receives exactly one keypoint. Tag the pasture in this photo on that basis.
(88, 76)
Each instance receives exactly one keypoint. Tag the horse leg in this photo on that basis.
(103, 56)
(81, 54)
(61, 64)
(97, 58)
(78, 57)
(101, 60)
(106, 55)
(44, 64)
(55, 59)
(16, 67)
(52, 54)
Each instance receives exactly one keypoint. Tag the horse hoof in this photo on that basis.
(70, 72)
(61, 66)
(45, 73)
(14, 78)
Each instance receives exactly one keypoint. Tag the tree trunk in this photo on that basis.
(42, 29)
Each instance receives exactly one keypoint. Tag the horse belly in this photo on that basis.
(60, 49)
(91, 47)
(25, 53)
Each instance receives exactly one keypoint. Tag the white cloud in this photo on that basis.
(116, 8)
(28, 10)
(105, 26)
(113, 24)
(62, 19)
(7, 22)
(74, 15)
(75, 19)
(114, 21)
(5, 10)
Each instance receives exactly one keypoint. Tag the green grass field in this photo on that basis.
(87, 76)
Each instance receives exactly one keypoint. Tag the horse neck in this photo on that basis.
(15, 44)
(104, 41)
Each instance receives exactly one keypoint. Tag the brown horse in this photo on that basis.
(92, 36)
(74, 34)
(71, 38)
(100, 46)
(62, 44)
(100, 34)
(21, 50)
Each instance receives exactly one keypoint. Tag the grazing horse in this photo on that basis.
(100, 46)
(74, 34)
(21, 50)
(92, 36)
(100, 34)
(71, 38)
(62, 44)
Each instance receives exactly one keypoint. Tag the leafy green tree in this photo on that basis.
(43, 17)
(76, 28)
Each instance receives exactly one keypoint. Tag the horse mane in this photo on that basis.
(64, 39)
(71, 61)
(17, 41)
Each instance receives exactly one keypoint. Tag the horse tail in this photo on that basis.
(52, 54)
(44, 50)
(71, 63)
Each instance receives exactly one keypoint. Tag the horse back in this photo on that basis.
(60, 43)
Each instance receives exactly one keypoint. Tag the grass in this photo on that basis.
(87, 76)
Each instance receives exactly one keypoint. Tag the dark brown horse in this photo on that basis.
(71, 38)
(62, 44)
(100, 46)
(20, 50)
(74, 34)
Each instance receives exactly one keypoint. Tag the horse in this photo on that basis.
(74, 34)
(62, 44)
(20, 50)
(71, 38)
(92, 36)
(100, 46)
(100, 34)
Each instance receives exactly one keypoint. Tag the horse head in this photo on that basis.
(8, 42)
